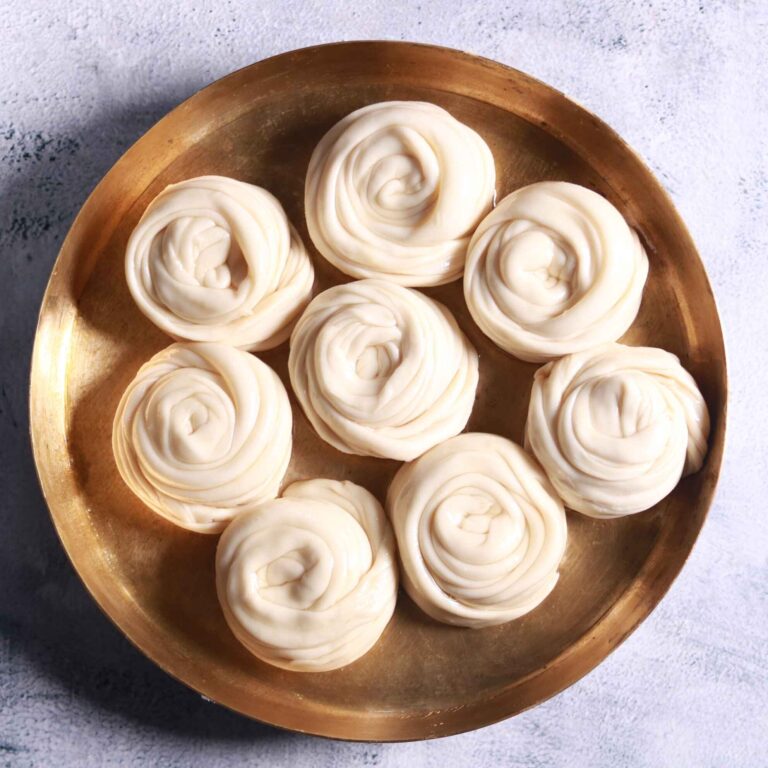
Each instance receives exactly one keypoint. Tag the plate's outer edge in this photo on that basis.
(470, 76)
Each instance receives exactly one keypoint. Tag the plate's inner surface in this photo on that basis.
(419, 666)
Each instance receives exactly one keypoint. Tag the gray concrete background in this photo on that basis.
(684, 82)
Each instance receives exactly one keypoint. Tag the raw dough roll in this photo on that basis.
(203, 432)
(616, 427)
(382, 370)
(554, 269)
(214, 259)
(395, 190)
(308, 582)
(480, 530)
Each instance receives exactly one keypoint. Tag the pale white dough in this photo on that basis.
(202, 433)
(616, 427)
(308, 582)
(554, 269)
(395, 190)
(215, 259)
(480, 530)
(382, 370)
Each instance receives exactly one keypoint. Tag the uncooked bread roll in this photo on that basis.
(214, 259)
(480, 530)
(554, 269)
(382, 370)
(616, 427)
(395, 190)
(308, 582)
(203, 432)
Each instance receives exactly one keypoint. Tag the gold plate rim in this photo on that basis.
(49, 438)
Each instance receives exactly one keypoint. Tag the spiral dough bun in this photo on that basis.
(214, 259)
(554, 269)
(615, 427)
(308, 582)
(480, 530)
(395, 190)
(202, 433)
(382, 370)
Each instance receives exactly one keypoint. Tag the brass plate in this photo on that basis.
(156, 581)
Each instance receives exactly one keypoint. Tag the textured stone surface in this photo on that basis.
(685, 83)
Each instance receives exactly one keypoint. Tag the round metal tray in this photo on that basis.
(156, 581)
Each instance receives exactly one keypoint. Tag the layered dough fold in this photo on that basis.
(203, 432)
(308, 582)
(394, 190)
(554, 269)
(382, 370)
(215, 259)
(480, 530)
(616, 427)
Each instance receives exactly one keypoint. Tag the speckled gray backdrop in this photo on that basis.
(685, 83)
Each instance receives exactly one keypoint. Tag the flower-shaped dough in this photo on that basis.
(395, 190)
(203, 432)
(554, 269)
(382, 370)
(480, 530)
(214, 259)
(616, 427)
(308, 582)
